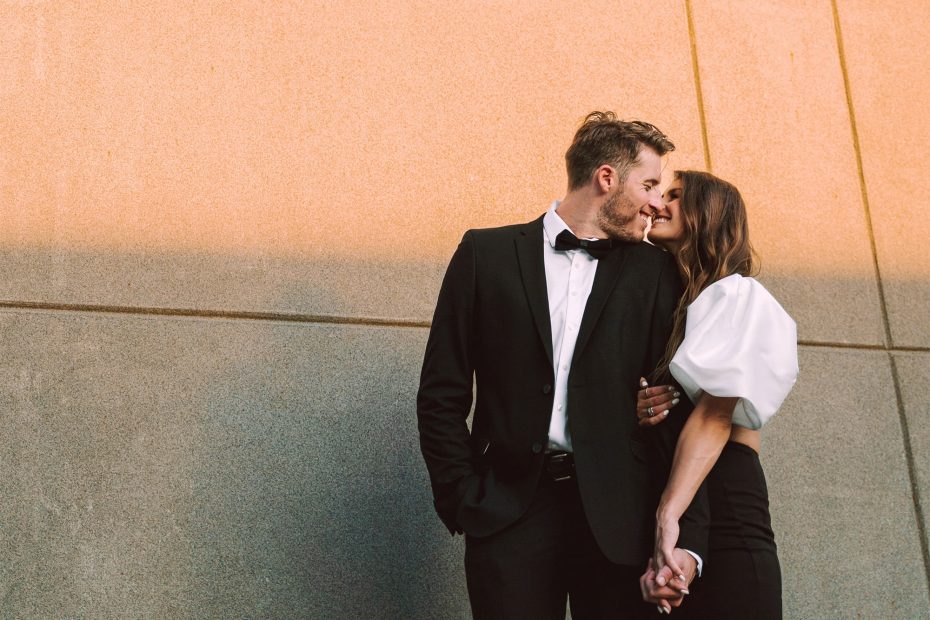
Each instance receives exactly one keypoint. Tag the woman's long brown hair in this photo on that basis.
(715, 245)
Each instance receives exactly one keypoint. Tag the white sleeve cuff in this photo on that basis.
(700, 562)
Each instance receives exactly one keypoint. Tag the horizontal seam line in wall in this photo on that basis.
(867, 347)
(292, 317)
(286, 317)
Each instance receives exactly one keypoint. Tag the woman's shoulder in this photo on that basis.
(736, 293)
(734, 285)
(738, 342)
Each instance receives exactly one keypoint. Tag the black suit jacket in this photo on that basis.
(492, 325)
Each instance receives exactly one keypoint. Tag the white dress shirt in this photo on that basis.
(569, 278)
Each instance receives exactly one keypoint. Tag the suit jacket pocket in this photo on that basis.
(481, 454)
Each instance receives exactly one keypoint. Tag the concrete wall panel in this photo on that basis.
(325, 158)
(402, 289)
(209, 468)
(914, 378)
(840, 495)
(364, 133)
(157, 470)
(887, 61)
(778, 127)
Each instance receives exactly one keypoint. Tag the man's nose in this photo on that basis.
(655, 202)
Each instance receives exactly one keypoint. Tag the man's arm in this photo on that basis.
(445, 395)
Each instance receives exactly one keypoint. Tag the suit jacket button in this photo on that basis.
(537, 448)
(547, 388)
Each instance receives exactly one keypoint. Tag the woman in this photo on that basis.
(734, 351)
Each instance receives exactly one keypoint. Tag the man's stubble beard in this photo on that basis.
(619, 218)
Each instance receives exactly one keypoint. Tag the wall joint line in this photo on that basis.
(886, 321)
(286, 317)
(692, 38)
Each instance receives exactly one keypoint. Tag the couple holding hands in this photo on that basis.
(577, 481)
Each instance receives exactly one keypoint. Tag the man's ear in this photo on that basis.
(605, 177)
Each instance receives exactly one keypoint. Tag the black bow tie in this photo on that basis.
(597, 248)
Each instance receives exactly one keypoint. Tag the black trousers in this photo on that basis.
(548, 556)
(741, 578)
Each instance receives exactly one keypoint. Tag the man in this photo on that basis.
(556, 486)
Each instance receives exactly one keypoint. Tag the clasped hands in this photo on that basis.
(667, 587)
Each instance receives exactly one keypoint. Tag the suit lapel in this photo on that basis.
(529, 244)
(605, 279)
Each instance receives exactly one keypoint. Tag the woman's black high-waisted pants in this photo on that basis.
(741, 577)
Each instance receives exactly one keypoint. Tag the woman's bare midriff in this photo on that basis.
(747, 437)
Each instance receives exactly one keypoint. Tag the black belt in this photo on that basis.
(559, 466)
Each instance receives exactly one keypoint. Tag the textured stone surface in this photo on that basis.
(211, 468)
(183, 467)
(914, 377)
(229, 283)
(366, 132)
(884, 52)
(841, 500)
(822, 305)
(401, 290)
(321, 158)
(778, 128)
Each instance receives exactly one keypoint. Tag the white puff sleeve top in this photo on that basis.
(738, 342)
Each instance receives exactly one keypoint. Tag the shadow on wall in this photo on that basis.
(315, 478)
(171, 465)
(348, 287)
(827, 307)
(217, 468)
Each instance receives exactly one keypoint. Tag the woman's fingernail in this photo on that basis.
(680, 576)
(684, 591)
(665, 413)
(675, 402)
(676, 394)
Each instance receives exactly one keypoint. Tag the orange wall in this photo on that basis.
(273, 127)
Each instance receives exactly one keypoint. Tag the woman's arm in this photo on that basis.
(699, 445)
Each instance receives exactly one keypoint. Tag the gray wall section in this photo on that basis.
(187, 467)
(840, 494)
(227, 282)
(914, 375)
(827, 309)
(211, 468)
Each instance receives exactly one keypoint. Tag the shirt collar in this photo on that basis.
(553, 224)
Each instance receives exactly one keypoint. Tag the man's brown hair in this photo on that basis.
(605, 139)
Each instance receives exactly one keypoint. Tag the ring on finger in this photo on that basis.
(650, 412)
